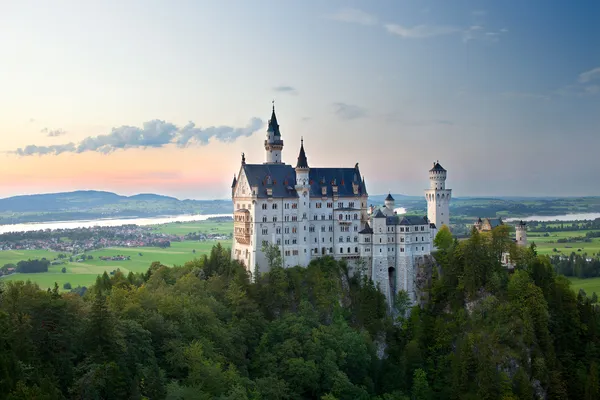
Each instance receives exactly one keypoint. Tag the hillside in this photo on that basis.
(205, 331)
(97, 204)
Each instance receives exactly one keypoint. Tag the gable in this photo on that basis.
(242, 188)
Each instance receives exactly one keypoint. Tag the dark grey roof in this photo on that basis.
(366, 230)
(302, 161)
(379, 214)
(437, 167)
(273, 125)
(522, 223)
(234, 182)
(282, 178)
(346, 209)
(494, 222)
(389, 197)
(406, 220)
(432, 226)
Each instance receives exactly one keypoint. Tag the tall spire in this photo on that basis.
(302, 161)
(273, 125)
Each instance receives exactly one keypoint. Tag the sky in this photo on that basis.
(164, 96)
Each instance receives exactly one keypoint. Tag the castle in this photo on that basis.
(312, 212)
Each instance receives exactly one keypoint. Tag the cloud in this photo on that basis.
(152, 134)
(46, 150)
(349, 111)
(53, 133)
(590, 75)
(286, 89)
(355, 16)
(421, 31)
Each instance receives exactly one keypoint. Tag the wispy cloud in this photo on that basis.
(349, 111)
(355, 16)
(154, 133)
(53, 132)
(590, 75)
(286, 89)
(421, 31)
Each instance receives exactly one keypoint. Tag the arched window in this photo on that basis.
(356, 249)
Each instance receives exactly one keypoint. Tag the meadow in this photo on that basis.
(546, 244)
(84, 273)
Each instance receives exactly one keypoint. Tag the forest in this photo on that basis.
(205, 331)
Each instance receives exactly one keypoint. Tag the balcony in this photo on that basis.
(241, 226)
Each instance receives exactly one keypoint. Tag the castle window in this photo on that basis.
(380, 250)
(356, 238)
(265, 231)
(348, 239)
(330, 216)
(287, 229)
(278, 242)
(349, 250)
(341, 239)
(401, 249)
(264, 206)
(422, 228)
(422, 248)
(330, 228)
(322, 217)
(341, 249)
(311, 228)
(355, 228)
(356, 249)
(274, 219)
(264, 218)
(379, 240)
(286, 206)
(274, 206)
(323, 228)
(316, 240)
(294, 229)
(351, 205)
(278, 230)
(341, 217)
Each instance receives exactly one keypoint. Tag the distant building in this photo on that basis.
(310, 212)
(487, 224)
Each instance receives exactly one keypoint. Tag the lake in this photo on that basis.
(550, 218)
(37, 226)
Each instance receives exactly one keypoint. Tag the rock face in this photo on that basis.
(424, 273)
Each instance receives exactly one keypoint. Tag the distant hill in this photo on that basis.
(90, 204)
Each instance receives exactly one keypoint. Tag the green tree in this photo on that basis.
(420, 387)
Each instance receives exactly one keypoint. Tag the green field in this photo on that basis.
(84, 273)
(589, 285)
(183, 228)
(545, 244)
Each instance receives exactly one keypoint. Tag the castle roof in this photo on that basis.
(437, 167)
(379, 214)
(273, 125)
(389, 197)
(281, 178)
(234, 182)
(302, 161)
(367, 230)
(406, 220)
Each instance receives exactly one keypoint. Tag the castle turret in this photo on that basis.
(389, 203)
(438, 197)
(233, 186)
(521, 233)
(303, 190)
(273, 142)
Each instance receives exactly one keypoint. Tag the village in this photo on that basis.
(80, 240)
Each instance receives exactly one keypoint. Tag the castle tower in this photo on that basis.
(273, 142)
(521, 233)
(389, 204)
(438, 197)
(303, 190)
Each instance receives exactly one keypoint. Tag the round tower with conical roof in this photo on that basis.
(303, 189)
(438, 197)
(273, 142)
(389, 204)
